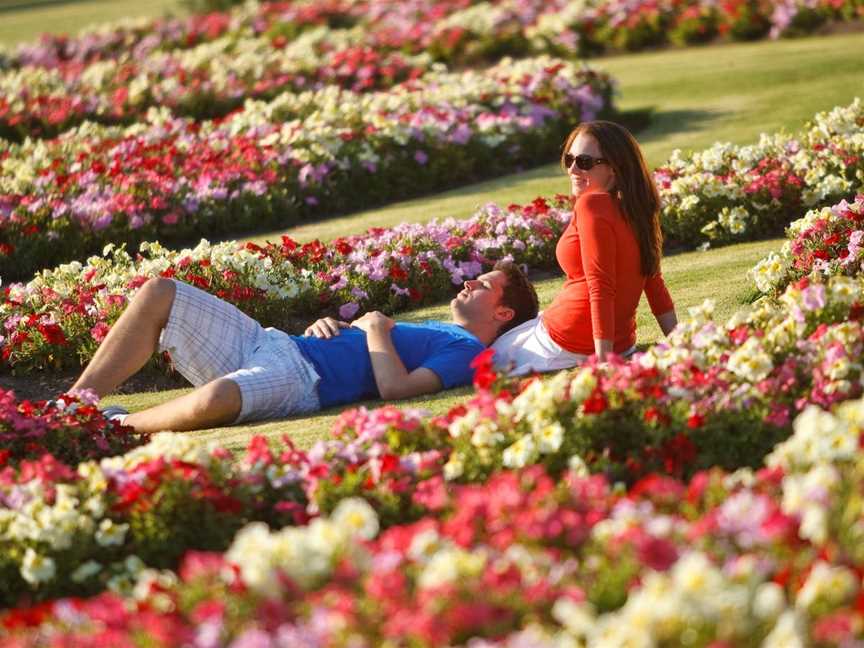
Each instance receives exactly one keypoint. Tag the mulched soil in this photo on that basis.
(49, 385)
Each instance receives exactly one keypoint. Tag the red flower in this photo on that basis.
(484, 373)
(595, 404)
(342, 246)
(397, 272)
(656, 553)
(288, 245)
(52, 333)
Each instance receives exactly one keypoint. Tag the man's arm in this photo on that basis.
(391, 377)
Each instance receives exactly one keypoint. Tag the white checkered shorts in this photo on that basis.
(209, 338)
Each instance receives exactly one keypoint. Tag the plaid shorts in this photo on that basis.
(209, 338)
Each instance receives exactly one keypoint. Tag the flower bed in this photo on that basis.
(59, 318)
(826, 242)
(732, 193)
(66, 530)
(273, 163)
(206, 82)
(743, 559)
(204, 66)
(71, 430)
(453, 31)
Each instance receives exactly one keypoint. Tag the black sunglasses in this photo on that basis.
(584, 161)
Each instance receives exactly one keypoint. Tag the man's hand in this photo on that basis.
(374, 321)
(325, 328)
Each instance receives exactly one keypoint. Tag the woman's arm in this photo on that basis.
(598, 246)
(661, 303)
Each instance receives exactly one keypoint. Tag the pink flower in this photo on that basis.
(99, 331)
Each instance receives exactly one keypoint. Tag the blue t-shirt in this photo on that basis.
(345, 367)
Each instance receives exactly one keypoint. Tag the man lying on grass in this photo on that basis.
(243, 372)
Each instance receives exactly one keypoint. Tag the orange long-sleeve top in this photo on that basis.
(599, 254)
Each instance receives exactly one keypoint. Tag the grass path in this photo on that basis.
(698, 96)
(692, 277)
(21, 25)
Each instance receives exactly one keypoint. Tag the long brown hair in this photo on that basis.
(634, 186)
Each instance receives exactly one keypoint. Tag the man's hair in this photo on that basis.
(518, 294)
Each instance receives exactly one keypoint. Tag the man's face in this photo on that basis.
(480, 298)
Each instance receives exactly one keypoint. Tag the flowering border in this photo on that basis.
(59, 318)
(274, 163)
(766, 558)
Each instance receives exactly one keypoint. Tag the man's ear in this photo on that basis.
(504, 314)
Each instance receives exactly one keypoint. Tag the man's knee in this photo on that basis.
(157, 294)
(219, 401)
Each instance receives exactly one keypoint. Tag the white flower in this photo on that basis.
(578, 466)
(450, 564)
(424, 545)
(520, 453)
(582, 385)
(750, 361)
(831, 584)
(37, 569)
(787, 633)
(769, 601)
(454, 468)
(110, 534)
(357, 516)
(578, 618)
(550, 437)
(85, 571)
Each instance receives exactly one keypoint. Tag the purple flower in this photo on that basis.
(461, 134)
(421, 157)
(349, 310)
(401, 292)
(813, 297)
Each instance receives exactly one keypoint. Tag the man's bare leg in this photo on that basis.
(211, 405)
(132, 340)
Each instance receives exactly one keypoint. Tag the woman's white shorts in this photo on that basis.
(528, 348)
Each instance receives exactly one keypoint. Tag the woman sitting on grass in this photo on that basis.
(610, 253)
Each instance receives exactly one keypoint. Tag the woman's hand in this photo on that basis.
(602, 349)
(667, 321)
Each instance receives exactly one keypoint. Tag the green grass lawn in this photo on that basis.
(20, 25)
(697, 96)
(692, 277)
